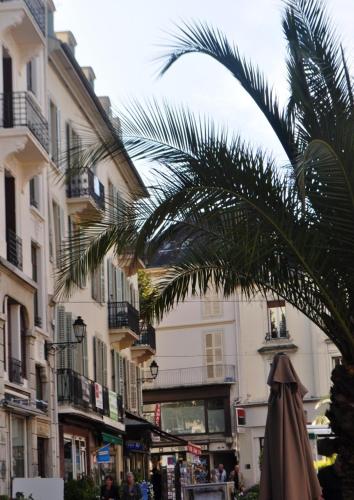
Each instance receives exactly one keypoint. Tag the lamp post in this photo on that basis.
(79, 328)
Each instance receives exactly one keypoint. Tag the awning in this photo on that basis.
(109, 438)
(134, 423)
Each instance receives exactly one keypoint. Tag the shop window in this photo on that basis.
(216, 415)
(75, 456)
(18, 446)
(277, 319)
(185, 417)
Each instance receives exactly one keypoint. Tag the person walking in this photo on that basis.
(237, 478)
(131, 490)
(109, 491)
(221, 474)
(156, 481)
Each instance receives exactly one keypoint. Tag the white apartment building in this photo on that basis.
(58, 406)
(210, 342)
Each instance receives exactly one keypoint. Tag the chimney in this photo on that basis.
(90, 75)
(106, 104)
(68, 38)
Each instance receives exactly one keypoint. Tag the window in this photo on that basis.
(16, 341)
(75, 457)
(214, 354)
(54, 117)
(336, 361)
(276, 319)
(18, 446)
(117, 373)
(58, 219)
(216, 415)
(97, 284)
(114, 199)
(133, 385)
(73, 145)
(31, 72)
(35, 258)
(100, 361)
(185, 417)
(211, 305)
(39, 384)
(34, 191)
(116, 280)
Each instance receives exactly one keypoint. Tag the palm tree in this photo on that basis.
(241, 221)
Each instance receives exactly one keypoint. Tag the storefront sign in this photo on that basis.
(134, 446)
(85, 385)
(109, 438)
(194, 449)
(103, 454)
(113, 407)
(241, 416)
(43, 429)
(98, 396)
(157, 416)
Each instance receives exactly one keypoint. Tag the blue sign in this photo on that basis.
(103, 455)
(134, 446)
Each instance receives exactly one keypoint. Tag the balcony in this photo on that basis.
(14, 248)
(145, 347)
(24, 22)
(15, 371)
(24, 131)
(85, 195)
(277, 341)
(79, 392)
(197, 375)
(123, 323)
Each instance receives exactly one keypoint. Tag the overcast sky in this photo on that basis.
(120, 40)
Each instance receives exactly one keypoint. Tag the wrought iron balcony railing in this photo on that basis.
(37, 9)
(16, 372)
(79, 391)
(197, 375)
(14, 248)
(85, 183)
(123, 315)
(18, 109)
(147, 337)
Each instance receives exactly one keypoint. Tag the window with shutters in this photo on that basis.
(133, 384)
(64, 333)
(97, 284)
(100, 361)
(114, 198)
(276, 319)
(54, 118)
(139, 375)
(58, 224)
(127, 394)
(211, 305)
(73, 145)
(214, 354)
(115, 282)
(117, 373)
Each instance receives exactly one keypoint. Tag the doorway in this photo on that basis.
(8, 90)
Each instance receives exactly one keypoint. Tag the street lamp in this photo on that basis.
(154, 370)
(79, 328)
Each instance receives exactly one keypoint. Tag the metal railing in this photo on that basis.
(277, 335)
(15, 368)
(85, 183)
(77, 390)
(37, 9)
(14, 248)
(18, 109)
(147, 337)
(196, 375)
(123, 315)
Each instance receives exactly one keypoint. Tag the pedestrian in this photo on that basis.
(330, 479)
(131, 490)
(213, 476)
(109, 491)
(237, 478)
(221, 474)
(156, 481)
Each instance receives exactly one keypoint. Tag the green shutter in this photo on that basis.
(69, 338)
(104, 365)
(84, 357)
(60, 334)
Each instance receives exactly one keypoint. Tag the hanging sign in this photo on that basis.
(194, 449)
(85, 386)
(103, 455)
(98, 396)
(113, 407)
(241, 416)
(157, 416)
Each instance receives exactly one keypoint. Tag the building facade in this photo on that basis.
(214, 355)
(58, 407)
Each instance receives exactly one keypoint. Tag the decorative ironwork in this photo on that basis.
(37, 9)
(123, 315)
(14, 248)
(86, 183)
(20, 110)
(147, 337)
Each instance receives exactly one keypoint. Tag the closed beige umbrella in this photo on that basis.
(288, 472)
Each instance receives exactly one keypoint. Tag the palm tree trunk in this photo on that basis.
(341, 416)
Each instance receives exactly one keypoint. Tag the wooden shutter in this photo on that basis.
(84, 357)
(139, 375)
(60, 334)
(214, 352)
(126, 383)
(133, 388)
(110, 280)
(69, 338)
(50, 230)
(104, 365)
(121, 386)
(95, 359)
(212, 305)
(102, 284)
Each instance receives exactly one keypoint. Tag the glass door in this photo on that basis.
(18, 446)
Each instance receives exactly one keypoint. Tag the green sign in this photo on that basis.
(109, 438)
(113, 407)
